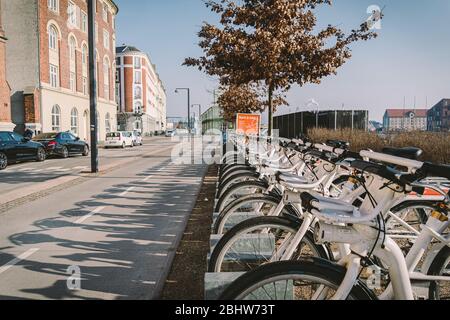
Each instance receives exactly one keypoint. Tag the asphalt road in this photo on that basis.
(111, 237)
(24, 174)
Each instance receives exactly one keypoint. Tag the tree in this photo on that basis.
(245, 98)
(272, 42)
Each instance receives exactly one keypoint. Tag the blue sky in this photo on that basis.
(411, 56)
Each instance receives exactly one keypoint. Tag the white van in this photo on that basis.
(119, 140)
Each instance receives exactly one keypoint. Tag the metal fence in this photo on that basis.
(293, 125)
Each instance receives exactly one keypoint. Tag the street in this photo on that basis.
(111, 237)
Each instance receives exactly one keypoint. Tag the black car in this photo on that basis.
(15, 148)
(62, 144)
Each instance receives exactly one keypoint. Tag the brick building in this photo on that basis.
(405, 120)
(140, 92)
(48, 66)
(5, 92)
(439, 116)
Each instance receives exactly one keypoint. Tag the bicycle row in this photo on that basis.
(299, 220)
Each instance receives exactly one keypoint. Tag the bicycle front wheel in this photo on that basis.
(311, 279)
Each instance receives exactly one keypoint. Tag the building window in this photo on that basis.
(85, 88)
(137, 62)
(108, 123)
(72, 49)
(56, 118)
(52, 37)
(73, 82)
(53, 5)
(137, 107)
(84, 56)
(137, 93)
(72, 11)
(54, 76)
(106, 78)
(84, 22)
(106, 43)
(74, 121)
(105, 12)
(138, 77)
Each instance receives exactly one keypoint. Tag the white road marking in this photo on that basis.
(123, 194)
(146, 179)
(149, 282)
(159, 254)
(83, 219)
(15, 261)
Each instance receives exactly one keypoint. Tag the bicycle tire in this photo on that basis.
(262, 185)
(272, 222)
(324, 270)
(227, 212)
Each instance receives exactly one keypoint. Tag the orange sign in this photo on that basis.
(248, 123)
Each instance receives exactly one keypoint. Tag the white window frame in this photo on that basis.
(105, 12)
(108, 123)
(137, 77)
(106, 80)
(74, 121)
(53, 5)
(72, 12)
(85, 86)
(84, 22)
(73, 81)
(54, 76)
(56, 118)
(137, 62)
(106, 40)
(52, 38)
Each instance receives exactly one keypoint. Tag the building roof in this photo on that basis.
(442, 103)
(402, 113)
(125, 49)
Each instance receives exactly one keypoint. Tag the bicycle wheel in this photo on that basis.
(248, 207)
(239, 190)
(239, 177)
(440, 290)
(309, 279)
(255, 241)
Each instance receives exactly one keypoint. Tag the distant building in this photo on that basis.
(439, 116)
(375, 126)
(295, 124)
(212, 120)
(405, 120)
(48, 65)
(140, 92)
(5, 91)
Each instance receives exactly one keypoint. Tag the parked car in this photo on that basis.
(62, 144)
(15, 148)
(137, 141)
(138, 138)
(181, 132)
(170, 133)
(119, 139)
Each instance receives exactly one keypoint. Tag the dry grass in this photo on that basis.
(435, 146)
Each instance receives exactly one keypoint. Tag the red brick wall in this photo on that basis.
(62, 21)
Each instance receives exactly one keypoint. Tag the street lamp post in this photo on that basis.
(189, 105)
(92, 87)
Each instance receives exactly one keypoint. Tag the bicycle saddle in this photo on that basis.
(408, 153)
